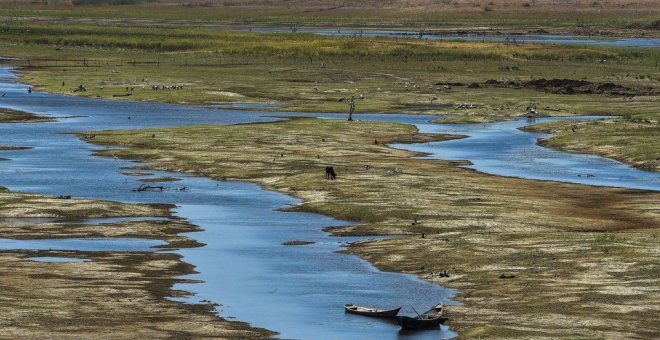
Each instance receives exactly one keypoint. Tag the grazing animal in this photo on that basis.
(330, 173)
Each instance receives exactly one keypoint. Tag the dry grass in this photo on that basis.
(583, 16)
(18, 205)
(632, 142)
(114, 295)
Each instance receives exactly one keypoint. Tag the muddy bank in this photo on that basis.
(570, 86)
(120, 294)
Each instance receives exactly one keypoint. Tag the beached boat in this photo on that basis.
(366, 311)
(429, 319)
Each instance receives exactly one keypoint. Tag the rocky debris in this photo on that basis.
(446, 83)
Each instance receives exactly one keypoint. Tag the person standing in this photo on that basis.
(351, 108)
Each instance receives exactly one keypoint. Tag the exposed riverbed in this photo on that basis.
(244, 266)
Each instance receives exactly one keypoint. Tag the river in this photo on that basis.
(244, 267)
(298, 291)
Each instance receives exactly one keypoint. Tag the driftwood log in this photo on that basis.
(144, 187)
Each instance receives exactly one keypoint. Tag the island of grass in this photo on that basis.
(524, 255)
(13, 116)
(633, 142)
(111, 294)
(14, 148)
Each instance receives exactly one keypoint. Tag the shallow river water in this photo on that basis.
(244, 266)
(298, 290)
(539, 38)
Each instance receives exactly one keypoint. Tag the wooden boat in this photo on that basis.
(438, 309)
(366, 311)
(429, 319)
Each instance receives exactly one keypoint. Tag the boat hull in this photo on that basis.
(409, 323)
(377, 313)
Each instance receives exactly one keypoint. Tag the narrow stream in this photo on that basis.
(295, 290)
(503, 149)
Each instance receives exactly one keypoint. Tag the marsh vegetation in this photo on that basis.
(509, 245)
(312, 73)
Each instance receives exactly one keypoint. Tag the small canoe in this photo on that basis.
(366, 311)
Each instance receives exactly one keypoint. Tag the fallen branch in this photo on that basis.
(144, 187)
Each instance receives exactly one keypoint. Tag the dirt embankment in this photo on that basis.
(654, 26)
(570, 86)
